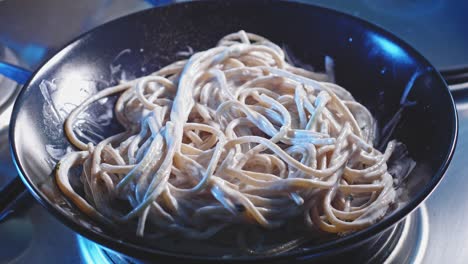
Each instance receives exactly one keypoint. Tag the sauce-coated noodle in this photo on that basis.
(232, 135)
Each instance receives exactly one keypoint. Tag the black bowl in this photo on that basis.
(370, 62)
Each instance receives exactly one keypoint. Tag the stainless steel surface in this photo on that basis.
(412, 245)
(31, 235)
(459, 86)
(8, 90)
(448, 205)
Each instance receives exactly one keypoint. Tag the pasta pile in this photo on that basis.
(233, 135)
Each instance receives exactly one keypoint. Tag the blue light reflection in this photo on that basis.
(91, 252)
(14, 73)
(390, 48)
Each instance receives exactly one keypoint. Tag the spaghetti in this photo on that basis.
(233, 135)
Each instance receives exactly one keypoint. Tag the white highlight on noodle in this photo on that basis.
(232, 135)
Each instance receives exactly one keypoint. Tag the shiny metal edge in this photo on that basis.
(412, 244)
